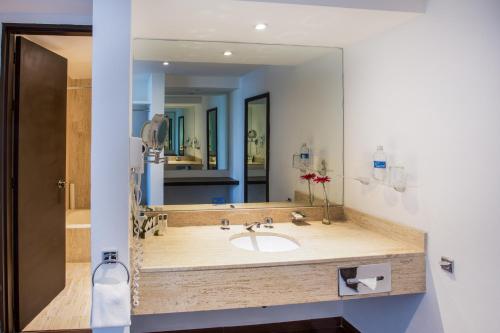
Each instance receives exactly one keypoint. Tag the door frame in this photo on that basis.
(9, 303)
(179, 143)
(216, 139)
(267, 96)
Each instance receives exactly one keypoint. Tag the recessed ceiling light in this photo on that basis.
(228, 53)
(166, 63)
(260, 26)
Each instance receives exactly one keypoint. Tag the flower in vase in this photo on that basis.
(322, 179)
(308, 176)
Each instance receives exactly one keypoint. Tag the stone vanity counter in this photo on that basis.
(208, 247)
(196, 268)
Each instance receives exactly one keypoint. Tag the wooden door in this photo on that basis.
(39, 191)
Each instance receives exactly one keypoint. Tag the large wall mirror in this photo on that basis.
(257, 137)
(239, 115)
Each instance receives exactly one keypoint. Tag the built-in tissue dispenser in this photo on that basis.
(364, 279)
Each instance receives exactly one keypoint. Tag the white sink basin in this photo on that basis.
(264, 242)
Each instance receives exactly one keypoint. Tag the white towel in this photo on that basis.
(110, 305)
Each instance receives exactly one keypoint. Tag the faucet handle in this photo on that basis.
(224, 224)
(268, 222)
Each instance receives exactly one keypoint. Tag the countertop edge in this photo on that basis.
(282, 263)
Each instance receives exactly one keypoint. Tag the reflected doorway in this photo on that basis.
(257, 132)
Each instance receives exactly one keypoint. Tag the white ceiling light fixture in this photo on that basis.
(228, 53)
(166, 63)
(260, 26)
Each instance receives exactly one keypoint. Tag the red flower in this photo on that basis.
(322, 179)
(308, 176)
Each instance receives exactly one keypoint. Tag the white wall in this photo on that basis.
(236, 142)
(111, 104)
(429, 92)
(306, 106)
(149, 89)
(141, 86)
(205, 82)
(235, 317)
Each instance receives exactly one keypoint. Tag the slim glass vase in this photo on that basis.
(326, 208)
(311, 197)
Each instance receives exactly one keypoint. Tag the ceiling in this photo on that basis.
(212, 52)
(191, 68)
(181, 91)
(331, 23)
(234, 21)
(418, 6)
(84, 7)
(77, 49)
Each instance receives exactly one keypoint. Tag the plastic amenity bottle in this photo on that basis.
(379, 164)
(304, 154)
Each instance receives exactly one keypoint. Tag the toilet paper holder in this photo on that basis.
(356, 280)
(364, 279)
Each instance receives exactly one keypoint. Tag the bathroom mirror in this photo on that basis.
(257, 136)
(238, 114)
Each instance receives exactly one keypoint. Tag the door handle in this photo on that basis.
(61, 183)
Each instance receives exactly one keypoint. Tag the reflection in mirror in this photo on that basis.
(212, 139)
(180, 136)
(257, 139)
(226, 144)
(201, 134)
(169, 148)
(189, 150)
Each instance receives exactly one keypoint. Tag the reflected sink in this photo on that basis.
(264, 242)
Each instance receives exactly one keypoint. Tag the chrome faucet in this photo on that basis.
(268, 222)
(224, 224)
(250, 226)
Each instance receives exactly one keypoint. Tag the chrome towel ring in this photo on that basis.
(111, 262)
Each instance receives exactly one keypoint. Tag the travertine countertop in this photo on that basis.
(208, 247)
(248, 205)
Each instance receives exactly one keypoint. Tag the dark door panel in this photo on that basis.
(39, 208)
